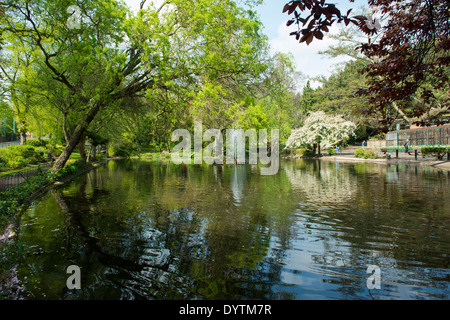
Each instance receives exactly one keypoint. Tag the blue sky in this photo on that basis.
(306, 58)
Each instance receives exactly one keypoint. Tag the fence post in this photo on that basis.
(396, 153)
(415, 154)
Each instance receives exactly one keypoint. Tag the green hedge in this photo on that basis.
(37, 142)
(365, 153)
(438, 152)
(15, 157)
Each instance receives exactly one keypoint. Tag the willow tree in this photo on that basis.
(102, 53)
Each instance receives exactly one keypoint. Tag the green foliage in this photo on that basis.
(438, 152)
(308, 153)
(331, 151)
(41, 150)
(297, 152)
(13, 198)
(370, 154)
(37, 142)
(55, 150)
(120, 149)
(72, 166)
(359, 153)
(20, 156)
(337, 93)
(365, 153)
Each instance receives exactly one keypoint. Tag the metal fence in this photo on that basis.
(18, 178)
(9, 144)
(420, 137)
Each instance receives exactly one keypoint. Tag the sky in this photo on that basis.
(306, 58)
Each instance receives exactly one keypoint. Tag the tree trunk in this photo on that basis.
(81, 147)
(23, 137)
(66, 135)
(23, 132)
(76, 136)
(94, 152)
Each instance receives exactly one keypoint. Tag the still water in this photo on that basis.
(142, 229)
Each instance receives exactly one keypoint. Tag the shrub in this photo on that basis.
(365, 153)
(331, 151)
(308, 153)
(42, 151)
(19, 156)
(55, 150)
(120, 150)
(37, 142)
(438, 152)
(370, 154)
(359, 153)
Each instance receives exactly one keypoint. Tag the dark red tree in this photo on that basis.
(410, 58)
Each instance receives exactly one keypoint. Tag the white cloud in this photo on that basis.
(306, 57)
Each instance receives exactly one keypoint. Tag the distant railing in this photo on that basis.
(9, 144)
(13, 180)
(432, 136)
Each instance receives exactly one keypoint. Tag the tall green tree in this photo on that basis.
(112, 55)
(278, 94)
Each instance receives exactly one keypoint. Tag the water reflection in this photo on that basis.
(150, 230)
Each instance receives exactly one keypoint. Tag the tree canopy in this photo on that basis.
(409, 54)
(157, 62)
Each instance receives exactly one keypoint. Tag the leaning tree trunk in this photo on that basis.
(23, 137)
(81, 147)
(23, 132)
(76, 136)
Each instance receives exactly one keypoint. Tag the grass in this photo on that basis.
(75, 156)
(152, 155)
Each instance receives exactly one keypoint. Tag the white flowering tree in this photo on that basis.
(321, 130)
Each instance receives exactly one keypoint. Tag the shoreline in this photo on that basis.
(9, 230)
(429, 163)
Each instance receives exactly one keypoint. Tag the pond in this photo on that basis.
(141, 229)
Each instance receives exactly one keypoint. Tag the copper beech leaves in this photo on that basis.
(410, 57)
(321, 16)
